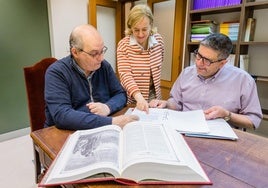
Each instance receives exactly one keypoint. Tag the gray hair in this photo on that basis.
(75, 41)
(220, 43)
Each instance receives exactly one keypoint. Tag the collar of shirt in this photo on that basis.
(81, 71)
(151, 41)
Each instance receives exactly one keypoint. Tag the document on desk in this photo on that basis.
(219, 129)
(183, 122)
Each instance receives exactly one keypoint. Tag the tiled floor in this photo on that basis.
(16, 162)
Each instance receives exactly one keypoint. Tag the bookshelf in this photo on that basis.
(256, 48)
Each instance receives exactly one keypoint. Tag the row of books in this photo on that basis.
(204, 4)
(243, 61)
(201, 29)
(231, 29)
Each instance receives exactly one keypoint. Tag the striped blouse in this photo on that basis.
(137, 66)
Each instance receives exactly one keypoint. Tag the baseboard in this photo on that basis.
(14, 134)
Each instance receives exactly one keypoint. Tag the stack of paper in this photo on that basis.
(183, 122)
(190, 123)
(218, 128)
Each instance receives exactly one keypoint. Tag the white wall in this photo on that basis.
(162, 12)
(64, 15)
(106, 25)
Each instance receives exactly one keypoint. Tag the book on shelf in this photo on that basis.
(230, 24)
(244, 62)
(218, 129)
(202, 21)
(203, 27)
(250, 29)
(205, 4)
(192, 58)
(140, 153)
(198, 37)
(201, 30)
(231, 59)
(231, 29)
(182, 121)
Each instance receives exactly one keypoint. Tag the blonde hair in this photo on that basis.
(136, 14)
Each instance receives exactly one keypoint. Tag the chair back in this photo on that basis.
(35, 81)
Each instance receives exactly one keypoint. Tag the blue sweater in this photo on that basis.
(67, 91)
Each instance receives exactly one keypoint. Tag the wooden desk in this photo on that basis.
(242, 163)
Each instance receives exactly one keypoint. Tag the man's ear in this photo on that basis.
(74, 52)
(223, 62)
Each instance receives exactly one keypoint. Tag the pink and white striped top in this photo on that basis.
(136, 66)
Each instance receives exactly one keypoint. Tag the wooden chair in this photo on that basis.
(34, 80)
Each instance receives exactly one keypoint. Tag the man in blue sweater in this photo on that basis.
(82, 90)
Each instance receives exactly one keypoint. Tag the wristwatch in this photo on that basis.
(227, 118)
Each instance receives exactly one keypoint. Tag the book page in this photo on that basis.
(146, 141)
(146, 144)
(188, 121)
(87, 153)
(182, 121)
(152, 153)
(155, 115)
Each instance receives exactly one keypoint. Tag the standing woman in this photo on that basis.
(139, 58)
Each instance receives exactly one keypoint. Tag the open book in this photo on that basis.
(190, 123)
(182, 121)
(219, 129)
(141, 153)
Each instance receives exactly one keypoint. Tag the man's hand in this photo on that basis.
(216, 112)
(99, 108)
(158, 103)
(124, 119)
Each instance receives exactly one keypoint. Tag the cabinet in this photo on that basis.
(256, 49)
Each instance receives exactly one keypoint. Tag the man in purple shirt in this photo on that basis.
(220, 89)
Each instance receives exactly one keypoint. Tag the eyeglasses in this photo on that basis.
(95, 54)
(205, 60)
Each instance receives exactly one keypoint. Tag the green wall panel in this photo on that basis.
(24, 40)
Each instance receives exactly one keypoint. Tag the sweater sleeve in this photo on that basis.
(124, 68)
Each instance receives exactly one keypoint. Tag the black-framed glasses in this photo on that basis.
(95, 54)
(205, 60)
